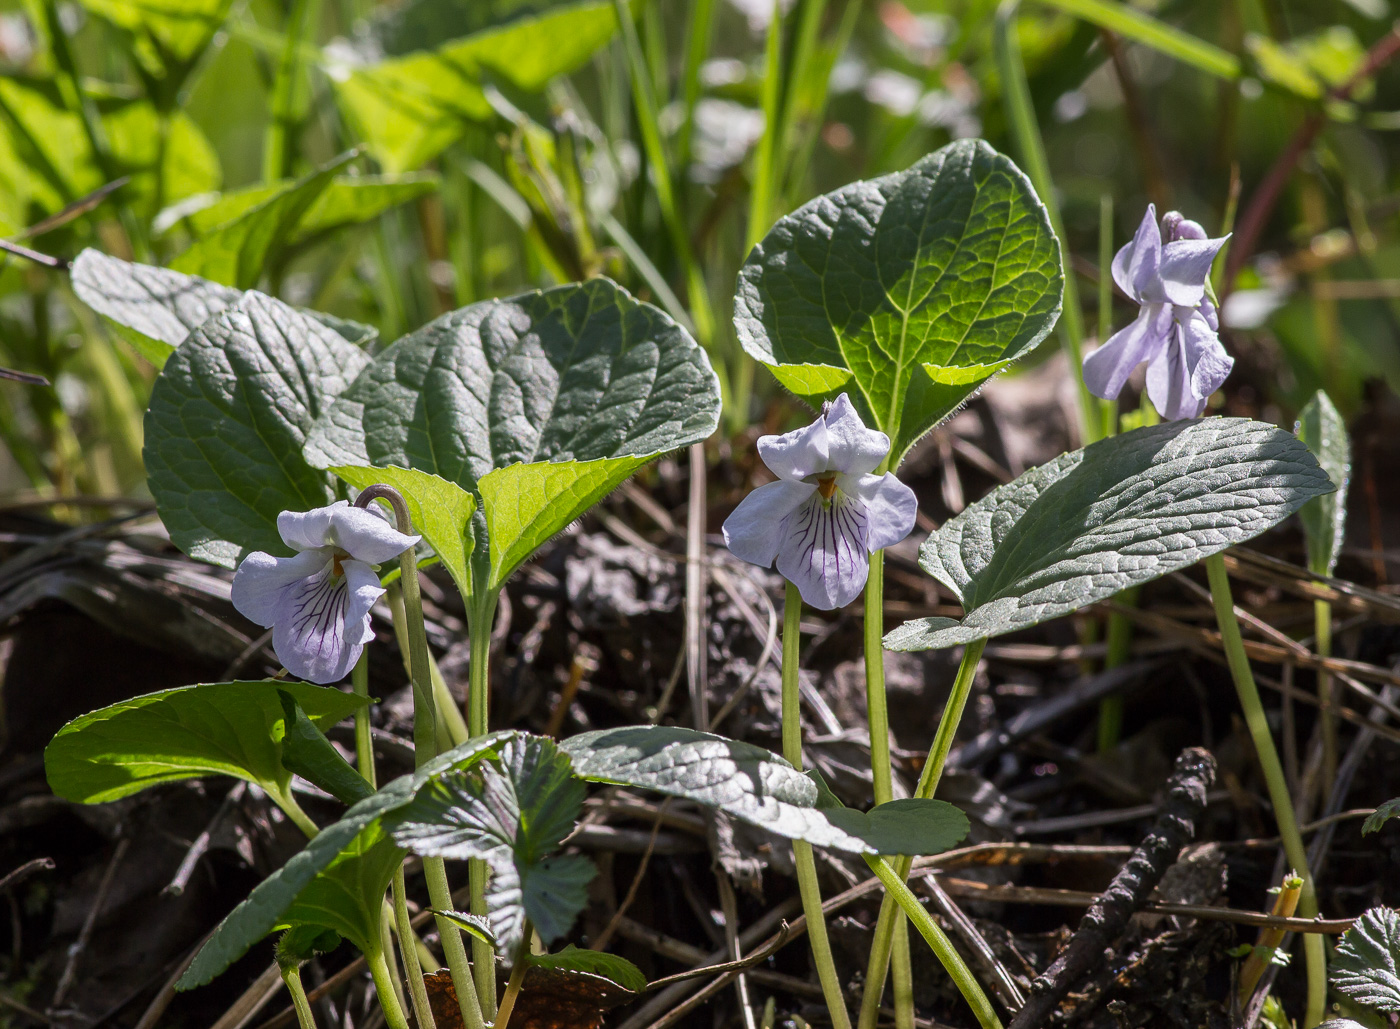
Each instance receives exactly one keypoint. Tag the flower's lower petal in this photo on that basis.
(261, 579)
(754, 531)
(824, 551)
(855, 449)
(797, 454)
(1205, 356)
(363, 583)
(367, 537)
(307, 530)
(1185, 268)
(1169, 383)
(1135, 265)
(890, 508)
(1106, 370)
(308, 632)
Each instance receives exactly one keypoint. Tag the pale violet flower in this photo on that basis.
(1176, 328)
(317, 603)
(827, 513)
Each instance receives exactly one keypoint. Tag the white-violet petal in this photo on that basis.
(261, 579)
(824, 551)
(854, 449)
(798, 454)
(753, 533)
(890, 508)
(365, 536)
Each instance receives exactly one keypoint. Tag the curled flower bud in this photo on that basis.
(1176, 328)
(317, 603)
(827, 513)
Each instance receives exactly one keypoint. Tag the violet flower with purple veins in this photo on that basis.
(1177, 324)
(827, 513)
(317, 603)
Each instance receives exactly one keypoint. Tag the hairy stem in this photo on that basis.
(517, 976)
(807, 884)
(890, 914)
(480, 615)
(1258, 724)
(364, 742)
(302, 1006)
(440, 893)
(384, 989)
(417, 992)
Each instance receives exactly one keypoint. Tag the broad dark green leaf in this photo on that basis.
(347, 896)
(302, 943)
(513, 815)
(539, 403)
(263, 910)
(237, 252)
(1324, 518)
(759, 787)
(1115, 514)
(409, 109)
(227, 420)
(907, 291)
(1367, 965)
(441, 513)
(1377, 818)
(154, 309)
(306, 752)
(226, 728)
(597, 963)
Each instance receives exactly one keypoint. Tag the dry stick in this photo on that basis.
(1265, 198)
(85, 934)
(200, 846)
(607, 934)
(1005, 986)
(24, 871)
(1108, 917)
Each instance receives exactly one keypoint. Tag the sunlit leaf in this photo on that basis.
(1367, 965)
(1324, 518)
(1116, 514)
(908, 291)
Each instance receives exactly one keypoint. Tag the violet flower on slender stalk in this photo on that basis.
(317, 603)
(828, 512)
(1176, 329)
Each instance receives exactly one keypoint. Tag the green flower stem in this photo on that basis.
(384, 989)
(517, 976)
(480, 615)
(807, 884)
(277, 157)
(881, 945)
(292, 978)
(1120, 644)
(440, 894)
(896, 887)
(1327, 721)
(364, 742)
(288, 803)
(1258, 724)
(451, 724)
(422, 1011)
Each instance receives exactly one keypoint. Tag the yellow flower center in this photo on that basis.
(826, 486)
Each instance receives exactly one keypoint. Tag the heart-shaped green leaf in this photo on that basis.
(263, 910)
(1324, 518)
(306, 752)
(237, 252)
(347, 896)
(441, 513)
(539, 403)
(1115, 514)
(907, 291)
(409, 109)
(595, 963)
(225, 728)
(759, 787)
(1367, 966)
(226, 424)
(513, 815)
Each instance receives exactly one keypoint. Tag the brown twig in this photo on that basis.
(1108, 916)
(75, 952)
(24, 871)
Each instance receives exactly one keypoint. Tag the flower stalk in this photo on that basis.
(291, 977)
(1238, 661)
(808, 886)
(517, 978)
(418, 993)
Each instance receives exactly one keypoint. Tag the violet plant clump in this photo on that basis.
(317, 602)
(828, 512)
(1165, 270)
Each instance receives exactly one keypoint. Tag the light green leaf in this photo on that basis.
(1367, 965)
(169, 33)
(154, 309)
(1143, 28)
(226, 728)
(409, 109)
(263, 910)
(579, 384)
(513, 814)
(1324, 518)
(1377, 818)
(237, 252)
(306, 752)
(1115, 514)
(473, 925)
(347, 896)
(441, 513)
(1311, 65)
(227, 420)
(592, 963)
(923, 284)
(757, 786)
